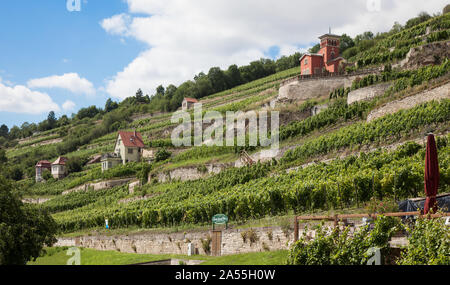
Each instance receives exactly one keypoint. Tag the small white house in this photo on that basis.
(59, 169)
(129, 147)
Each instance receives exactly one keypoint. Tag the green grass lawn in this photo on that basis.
(255, 258)
(57, 256)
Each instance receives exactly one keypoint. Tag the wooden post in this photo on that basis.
(336, 221)
(373, 184)
(340, 198)
(395, 178)
(356, 189)
(295, 229)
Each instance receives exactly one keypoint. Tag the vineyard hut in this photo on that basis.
(110, 160)
(41, 166)
(129, 146)
(59, 169)
(188, 103)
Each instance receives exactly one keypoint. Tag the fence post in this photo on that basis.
(339, 193)
(336, 221)
(295, 229)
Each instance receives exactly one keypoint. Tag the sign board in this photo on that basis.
(220, 219)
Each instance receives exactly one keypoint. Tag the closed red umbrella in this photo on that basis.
(431, 175)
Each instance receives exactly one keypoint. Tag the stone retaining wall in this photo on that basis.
(367, 93)
(442, 92)
(189, 173)
(99, 185)
(177, 243)
(312, 89)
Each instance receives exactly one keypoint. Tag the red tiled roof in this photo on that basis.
(60, 161)
(44, 163)
(191, 100)
(129, 139)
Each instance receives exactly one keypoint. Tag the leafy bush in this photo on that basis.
(162, 155)
(75, 164)
(337, 247)
(429, 243)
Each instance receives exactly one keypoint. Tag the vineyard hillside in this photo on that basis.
(345, 140)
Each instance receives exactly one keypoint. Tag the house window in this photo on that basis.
(130, 151)
(306, 61)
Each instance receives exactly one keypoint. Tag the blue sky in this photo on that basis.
(53, 59)
(42, 38)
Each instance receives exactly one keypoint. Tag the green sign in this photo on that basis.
(220, 219)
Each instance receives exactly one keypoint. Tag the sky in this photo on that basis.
(63, 55)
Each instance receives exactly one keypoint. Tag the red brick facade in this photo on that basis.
(327, 58)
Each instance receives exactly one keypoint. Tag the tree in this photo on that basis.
(63, 121)
(140, 98)
(204, 86)
(314, 49)
(14, 133)
(366, 36)
(346, 43)
(396, 28)
(170, 91)
(110, 105)
(217, 78)
(15, 173)
(3, 158)
(24, 229)
(160, 90)
(233, 76)
(75, 164)
(422, 17)
(51, 119)
(4, 130)
(286, 62)
(162, 155)
(88, 112)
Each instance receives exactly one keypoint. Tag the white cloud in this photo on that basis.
(116, 25)
(68, 106)
(185, 37)
(69, 81)
(20, 99)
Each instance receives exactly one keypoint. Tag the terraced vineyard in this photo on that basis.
(351, 178)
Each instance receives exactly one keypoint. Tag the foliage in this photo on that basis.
(338, 110)
(338, 247)
(206, 245)
(374, 206)
(162, 155)
(405, 78)
(75, 164)
(401, 42)
(142, 175)
(250, 192)
(393, 125)
(429, 243)
(24, 229)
